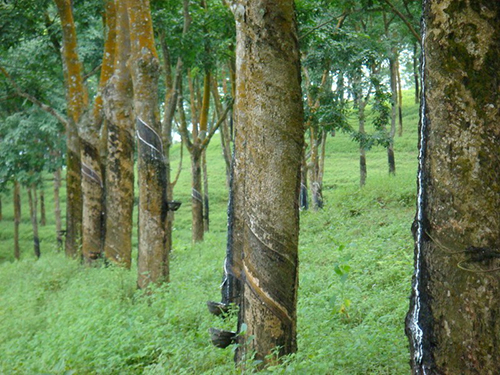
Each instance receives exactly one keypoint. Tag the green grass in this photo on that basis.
(58, 316)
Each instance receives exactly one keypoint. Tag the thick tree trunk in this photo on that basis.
(269, 142)
(93, 195)
(43, 216)
(118, 110)
(196, 196)
(453, 323)
(152, 263)
(74, 199)
(57, 207)
(77, 103)
(17, 219)
(92, 167)
(33, 203)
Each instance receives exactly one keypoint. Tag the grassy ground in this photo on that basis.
(58, 317)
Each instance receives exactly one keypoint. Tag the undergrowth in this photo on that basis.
(356, 255)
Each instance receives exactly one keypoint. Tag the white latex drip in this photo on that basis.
(416, 330)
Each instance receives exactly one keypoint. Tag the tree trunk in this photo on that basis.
(196, 196)
(268, 150)
(152, 263)
(453, 323)
(57, 207)
(400, 97)
(93, 195)
(118, 110)
(17, 219)
(33, 203)
(74, 199)
(77, 103)
(362, 151)
(415, 73)
(92, 166)
(225, 136)
(304, 198)
(43, 218)
(206, 201)
(394, 106)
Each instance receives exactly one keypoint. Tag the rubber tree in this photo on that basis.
(266, 182)
(77, 102)
(93, 169)
(452, 323)
(119, 121)
(152, 261)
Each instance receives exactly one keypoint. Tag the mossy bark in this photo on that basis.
(152, 263)
(118, 110)
(268, 150)
(456, 296)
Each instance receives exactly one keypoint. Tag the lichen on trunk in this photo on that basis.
(453, 319)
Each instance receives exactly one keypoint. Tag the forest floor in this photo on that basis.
(356, 261)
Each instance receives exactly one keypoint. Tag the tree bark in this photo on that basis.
(57, 207)
(196, 196)
(92, 166)
(152, 263)
(206, 198)
(268, 150)
(415, 74)
(394, 109)
(77, 103)
(225, 136)
(43, 217)
(304, 196)
(400, 98)
(17, 219)
(118, 110)
(33, 203)
(453, 323)
(362, 152)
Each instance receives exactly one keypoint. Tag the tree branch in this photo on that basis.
(214, 128)
(180, 166)
(91, 73)
(44, 107)
(341, 19)
(403, 18)
(182, 124)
